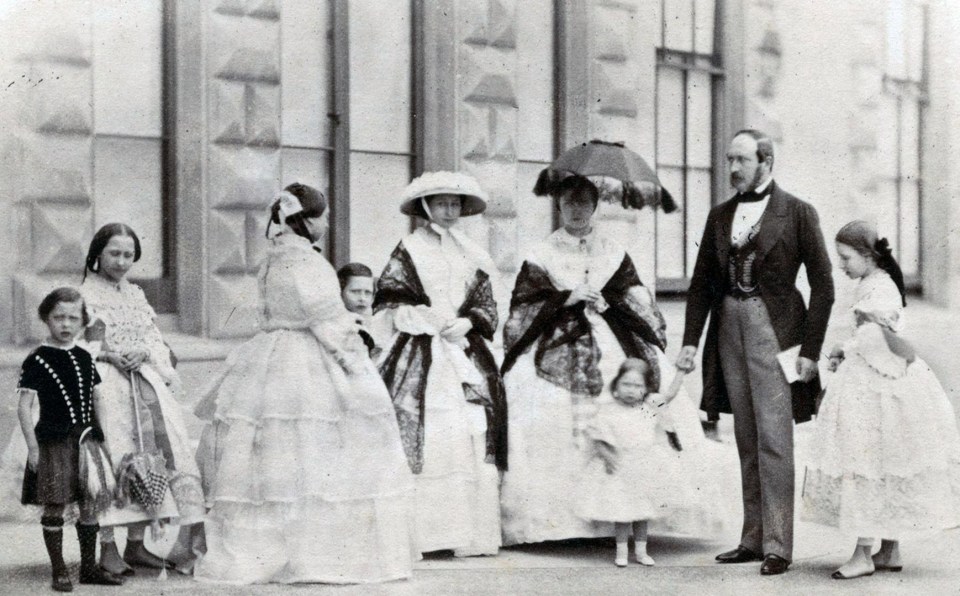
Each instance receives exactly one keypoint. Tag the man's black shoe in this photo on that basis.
(774, 565)
(738, 555)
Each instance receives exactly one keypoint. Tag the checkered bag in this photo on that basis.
(143, 480)
(143, 475)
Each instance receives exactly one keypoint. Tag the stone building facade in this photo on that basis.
(183, 119)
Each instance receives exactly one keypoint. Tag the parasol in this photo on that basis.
(620, 174)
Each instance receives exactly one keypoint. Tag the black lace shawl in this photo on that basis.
(566, 353)
(405, 368)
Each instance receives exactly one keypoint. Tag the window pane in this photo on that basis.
(699, 119)
(535, 68)
(380, 64)
(704, 34)
(914, 25)
(670, 237)
(698, 207)
(307, 73)
(909, 139)
(128, 71)
(376, 224)
(670, 101)
(896, 65)
(678, 24)
(127, 188)
(910, 228)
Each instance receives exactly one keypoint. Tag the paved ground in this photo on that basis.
(684, 565)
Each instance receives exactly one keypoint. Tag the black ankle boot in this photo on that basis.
(90, 572)
(53, 539)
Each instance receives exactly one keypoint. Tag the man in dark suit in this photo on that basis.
(745, 280)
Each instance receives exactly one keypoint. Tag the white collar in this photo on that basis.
(762, 188)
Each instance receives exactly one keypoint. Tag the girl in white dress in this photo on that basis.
(887, 458)
(435, 300)
(306, 479)
(138, 377)
(632, 477)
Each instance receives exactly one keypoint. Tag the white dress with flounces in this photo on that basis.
(306, 475)
(887, 461)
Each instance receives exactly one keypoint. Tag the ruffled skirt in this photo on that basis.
(887, 457)
(306, 476)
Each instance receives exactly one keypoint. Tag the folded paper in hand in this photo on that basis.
(788, 362)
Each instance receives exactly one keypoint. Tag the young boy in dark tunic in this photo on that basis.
(66, 462)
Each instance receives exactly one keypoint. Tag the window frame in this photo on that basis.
(714, 65)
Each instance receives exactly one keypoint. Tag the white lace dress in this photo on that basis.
(887, 461)
(130, 325)
(307, 479)
(650, 480)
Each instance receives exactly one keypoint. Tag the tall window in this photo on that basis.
(898, 209)
(131, 147)
(688, 67)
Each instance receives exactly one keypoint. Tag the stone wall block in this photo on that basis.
(55, 167)
(489, 23)
(60, 99)
(262, 106)
(255, 227)
(227, 229)
(233, 305)
(245, 49)
(228, 112)
(59, 233)
(499, 180)
(242, 177)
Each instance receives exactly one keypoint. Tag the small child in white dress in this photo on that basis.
(887, 457)
(625, 480)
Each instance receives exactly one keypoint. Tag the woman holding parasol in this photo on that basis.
(578, 311)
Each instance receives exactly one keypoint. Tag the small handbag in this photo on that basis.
(143, 475)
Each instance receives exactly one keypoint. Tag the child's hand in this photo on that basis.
(33, 458)
(133, 360)
(835, 357)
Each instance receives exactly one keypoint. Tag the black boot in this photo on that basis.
(53, 539)
(90, 572)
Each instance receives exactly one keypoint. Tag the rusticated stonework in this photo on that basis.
(486, 90)
(52, 182)
(243, 160)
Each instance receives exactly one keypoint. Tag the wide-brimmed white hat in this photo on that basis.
(473, 199)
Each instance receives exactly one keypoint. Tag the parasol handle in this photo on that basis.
(135, 393)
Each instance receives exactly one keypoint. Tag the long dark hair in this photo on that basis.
(313, 203)
(862, 237)
(102, 238)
